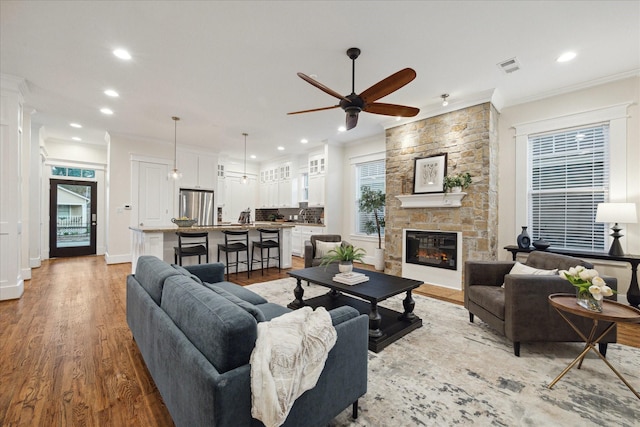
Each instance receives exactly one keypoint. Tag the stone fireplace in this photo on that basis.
(469, 138)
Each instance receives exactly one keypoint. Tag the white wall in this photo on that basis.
(120, 192)
(602, 96)
(358, 151)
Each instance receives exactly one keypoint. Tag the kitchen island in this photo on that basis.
(159, 241)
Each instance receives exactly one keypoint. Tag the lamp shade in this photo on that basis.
(617, 212)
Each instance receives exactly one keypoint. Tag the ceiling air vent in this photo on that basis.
(509, 66)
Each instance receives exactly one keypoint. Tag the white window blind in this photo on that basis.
(569, 176)
(372, 175)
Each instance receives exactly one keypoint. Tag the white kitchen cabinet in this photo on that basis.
(317, 164)
(198, 170)
(316, 190)
(302, 233)
(278, 189)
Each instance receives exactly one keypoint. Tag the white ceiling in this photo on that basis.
(230, 67)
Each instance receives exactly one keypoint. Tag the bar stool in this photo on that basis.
(191, 244)
(269, 239)
(235, 241)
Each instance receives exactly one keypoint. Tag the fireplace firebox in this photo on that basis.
(431, 248)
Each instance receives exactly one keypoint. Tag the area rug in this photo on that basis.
(453, 372)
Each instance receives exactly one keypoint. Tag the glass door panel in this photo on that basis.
(72, 218)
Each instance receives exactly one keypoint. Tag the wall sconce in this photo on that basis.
(616, 212)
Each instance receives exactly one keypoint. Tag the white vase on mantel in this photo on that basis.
(378, 259)
(456, 189)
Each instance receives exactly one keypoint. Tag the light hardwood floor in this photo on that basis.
(67, 357)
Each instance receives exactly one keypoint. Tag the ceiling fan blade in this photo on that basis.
(321, 87)
(315, 109)
(388, 85)
(352, 120)
(391, 109)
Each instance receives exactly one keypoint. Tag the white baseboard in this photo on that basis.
(117, 259)
(26, 273)
(35, 262)
(12, 291)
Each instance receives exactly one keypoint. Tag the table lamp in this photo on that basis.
(616, 212)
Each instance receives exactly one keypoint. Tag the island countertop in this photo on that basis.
(220, 227)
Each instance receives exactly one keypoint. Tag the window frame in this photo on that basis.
(356, 162)
(615, 116)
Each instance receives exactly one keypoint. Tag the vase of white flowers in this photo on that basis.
(590, 287)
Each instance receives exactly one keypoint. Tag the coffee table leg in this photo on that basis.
(298, 292)
(374, 321)
(409, 304)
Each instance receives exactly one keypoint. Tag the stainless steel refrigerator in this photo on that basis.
(197, 204)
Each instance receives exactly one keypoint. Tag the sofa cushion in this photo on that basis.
(271, 310)
(151, 273)
(491, 298)
(239, 291)
(186, 272)
(246, 306)
(222, 331)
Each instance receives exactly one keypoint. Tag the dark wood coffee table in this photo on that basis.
(385, 325)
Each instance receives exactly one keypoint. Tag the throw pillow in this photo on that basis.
(519, 268)
(323, 248)
(247, 306)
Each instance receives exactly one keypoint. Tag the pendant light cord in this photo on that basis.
(245, 155)
(175, 142)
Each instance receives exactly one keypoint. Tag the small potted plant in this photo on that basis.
(457, 183)
(345, 255)
(373, 201)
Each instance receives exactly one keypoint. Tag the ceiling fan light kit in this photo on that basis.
(353, 103)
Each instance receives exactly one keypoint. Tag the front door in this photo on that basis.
(72, 218)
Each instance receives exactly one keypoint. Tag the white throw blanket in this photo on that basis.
(287, 360)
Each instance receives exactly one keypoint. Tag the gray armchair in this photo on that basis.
(520, 310)
(310, 258)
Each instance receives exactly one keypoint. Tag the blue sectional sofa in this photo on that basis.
(196, 333)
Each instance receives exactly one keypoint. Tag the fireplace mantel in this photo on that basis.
(434, 200)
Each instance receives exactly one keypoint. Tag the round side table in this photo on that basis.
(613, 312)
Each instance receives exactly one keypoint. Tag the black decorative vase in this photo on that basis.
(541, 244)
(524, 241)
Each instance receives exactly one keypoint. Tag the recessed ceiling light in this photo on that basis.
(106, 111)
(566, 57)
(112, 93)
(304, 141)
(75, 138)
(342, 129)
(75, 125)
(253, 156)
(281, 148)
(122, 54)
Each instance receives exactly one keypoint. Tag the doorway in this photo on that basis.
(72, 218)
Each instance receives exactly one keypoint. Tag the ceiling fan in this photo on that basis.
(353, 104)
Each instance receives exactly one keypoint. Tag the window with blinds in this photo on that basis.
(372, 175)
(568, 177)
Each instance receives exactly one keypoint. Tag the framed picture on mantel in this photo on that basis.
(429, 173)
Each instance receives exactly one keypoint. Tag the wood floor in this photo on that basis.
(67, 357)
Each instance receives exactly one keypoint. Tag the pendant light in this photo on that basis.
(244, 177)
(444, 97)
(175, 173)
